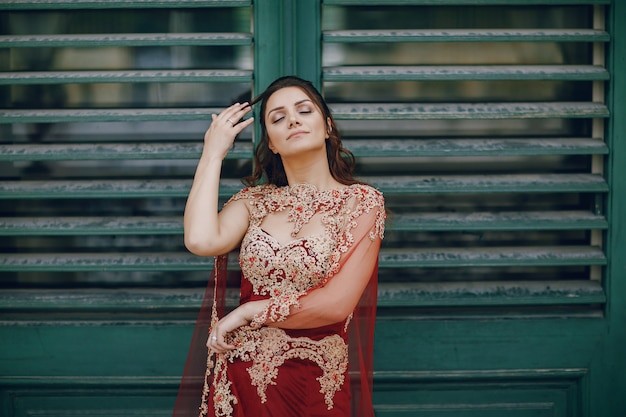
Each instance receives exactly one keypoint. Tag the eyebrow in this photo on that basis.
(295, 104)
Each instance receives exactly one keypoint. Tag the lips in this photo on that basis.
(297, 133)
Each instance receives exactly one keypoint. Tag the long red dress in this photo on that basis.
(289, 361)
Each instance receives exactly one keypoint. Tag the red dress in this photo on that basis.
(307, 367)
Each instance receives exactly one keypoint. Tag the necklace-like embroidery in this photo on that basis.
(304, 203)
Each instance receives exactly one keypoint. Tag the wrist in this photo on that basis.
(254, 309)
(208, 157)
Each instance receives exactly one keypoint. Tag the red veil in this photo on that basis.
(362, 247)
(192, 382)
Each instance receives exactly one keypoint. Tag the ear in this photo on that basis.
(269, 145)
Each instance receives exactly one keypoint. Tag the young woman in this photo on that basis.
(308, 233)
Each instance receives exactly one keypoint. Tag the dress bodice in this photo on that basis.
(273, 268)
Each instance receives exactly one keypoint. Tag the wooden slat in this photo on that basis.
(396, 258)
(467, 35)
(104, 188)
(412, 376)
(67, 262)
(518, 220)
(102, 299)
(158, 76)
(491, 257)
(116, 4)
(115, 151)
(512, 183)
(447, 111)
(509, 183)
(450, 294)
(361, 148)
(459, 2)
(125, 39)
(386, 147)
(464, 72)
(406, 295)
(382, 111)
(412, 222)
(105, 115)
(91, 226)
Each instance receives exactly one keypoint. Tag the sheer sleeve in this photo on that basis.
(338, 295)
(199, 362)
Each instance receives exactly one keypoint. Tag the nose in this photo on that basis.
(293, 119)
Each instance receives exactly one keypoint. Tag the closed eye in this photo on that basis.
(278, 116)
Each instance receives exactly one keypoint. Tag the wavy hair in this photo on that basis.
(268, 166)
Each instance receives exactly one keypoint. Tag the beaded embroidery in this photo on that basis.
(269, 347)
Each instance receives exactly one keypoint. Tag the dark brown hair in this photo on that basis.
(268, 166)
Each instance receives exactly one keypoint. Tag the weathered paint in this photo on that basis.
(538, 183)
(145, 76)
(447, 111)
(116, 4)
(412, 222)
(114, 151)
(464, 35)
(460, 72)
(364, 148)
(130, 39)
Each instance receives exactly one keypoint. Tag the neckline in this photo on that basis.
(307, 188)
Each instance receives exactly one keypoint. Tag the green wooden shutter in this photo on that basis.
(104, 140)
(103, 109)
(505, 186)
(484, 125)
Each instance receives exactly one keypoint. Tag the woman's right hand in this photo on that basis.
(225, 126)
(241, 316)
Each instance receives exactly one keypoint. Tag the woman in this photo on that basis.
(300, 341)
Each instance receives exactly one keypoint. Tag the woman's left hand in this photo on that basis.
(240, 316)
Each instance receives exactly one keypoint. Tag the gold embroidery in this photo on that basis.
(269, 347)
(347, 323)
(273, 270)
(223, 398)
(285, 274)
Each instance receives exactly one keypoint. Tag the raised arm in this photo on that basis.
(208, 231)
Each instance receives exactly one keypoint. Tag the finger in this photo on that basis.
(216, 343)
(221, 344)
(242, 111)
(243, 124)
(237, 118)
(229, 112)
(213, 345)
(210, 342)
(235, 113)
